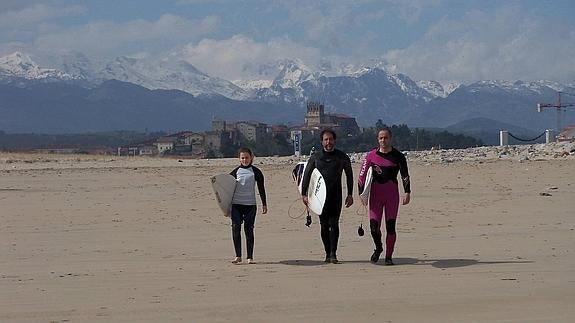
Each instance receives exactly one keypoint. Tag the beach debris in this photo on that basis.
(544, 194)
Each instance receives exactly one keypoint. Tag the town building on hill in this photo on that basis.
(164, 144)
(215, 140)
(252, 130)
(224, 135)
(279, 130)
(316, 120)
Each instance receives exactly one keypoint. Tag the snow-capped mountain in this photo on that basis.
(286, 74)
(448, 88)
(20, 65)
(366, 93)
(292, 74)
(436, 89)
(253, 85)
(350, 69)
(410, 88)
(297, 84)
(76, 64)
(168, 75)
(518, 87)
(178, 75)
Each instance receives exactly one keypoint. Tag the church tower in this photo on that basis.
(314, 115)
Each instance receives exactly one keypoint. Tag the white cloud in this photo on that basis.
(340, 25)
(187, 2)
(35, 14)
(14, 5)
(11, 47)
(506, 45)
(108, 38)
(410, 10)
(325, 24)
(240, 57)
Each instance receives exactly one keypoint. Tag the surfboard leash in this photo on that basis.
(360, 231)
(307, 219)
(290, 210)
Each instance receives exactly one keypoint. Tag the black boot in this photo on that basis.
(334, 259)
(376, 235)
(375, 255)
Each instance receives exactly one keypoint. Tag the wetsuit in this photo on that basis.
(384, 193)
(244, 205)
(330, 165)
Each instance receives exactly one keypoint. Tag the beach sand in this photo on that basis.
(126, 239)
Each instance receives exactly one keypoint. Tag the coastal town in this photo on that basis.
(226, 133)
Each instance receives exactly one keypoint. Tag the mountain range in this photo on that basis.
(76, 94)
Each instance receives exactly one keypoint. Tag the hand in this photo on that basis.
(348, 201)
(406, 199)
(264, 209)
(364, 203)
(305, 200)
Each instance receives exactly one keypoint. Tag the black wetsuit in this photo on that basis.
(331, 165)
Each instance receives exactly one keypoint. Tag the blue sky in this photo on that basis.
(444, 40)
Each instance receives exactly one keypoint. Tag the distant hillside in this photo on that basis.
(487, 130)
(85, 97)
(41, 107)
(85, 141)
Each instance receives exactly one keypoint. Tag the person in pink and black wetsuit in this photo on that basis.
(386, 162)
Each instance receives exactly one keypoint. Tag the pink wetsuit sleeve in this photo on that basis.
(363, 169)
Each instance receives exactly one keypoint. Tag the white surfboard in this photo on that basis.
(316, 192)
(297, 174)
(224, 186)
(364, 196)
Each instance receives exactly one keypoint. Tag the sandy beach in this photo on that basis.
(490, 238)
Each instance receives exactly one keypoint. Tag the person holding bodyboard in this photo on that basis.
(244, 203)
(331, 163)
(383, 164)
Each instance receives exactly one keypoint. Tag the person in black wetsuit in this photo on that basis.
(331, 163)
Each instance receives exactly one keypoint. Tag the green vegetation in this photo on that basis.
(278, 145)
(85, 141)
(404, 139)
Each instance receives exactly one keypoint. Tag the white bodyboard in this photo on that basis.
(316, 192)
(224, 186)
(364, 196)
